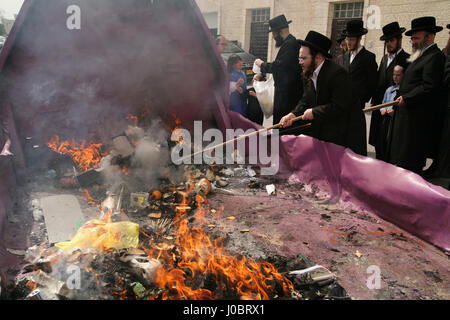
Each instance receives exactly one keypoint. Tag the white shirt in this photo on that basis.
(354, 53)
(391, 57)
(315, 74)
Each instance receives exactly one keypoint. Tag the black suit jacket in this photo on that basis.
(286, 73)
(385, 80)
(414, 124)
(285, 68)
(443, 160)
(384, 75)
(337, 115)
(363, 74)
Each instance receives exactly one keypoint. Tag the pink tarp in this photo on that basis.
(394, 194)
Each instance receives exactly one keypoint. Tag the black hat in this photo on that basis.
(424, 24)
(278, 23)
(340, 38)
(318, 42)
(354, 29)
(392, 30)
(448, 26)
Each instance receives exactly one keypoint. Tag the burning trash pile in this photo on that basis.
(152, 238)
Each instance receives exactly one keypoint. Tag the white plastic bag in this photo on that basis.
(265, 91)
(256, 69)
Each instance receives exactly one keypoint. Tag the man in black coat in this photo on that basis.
(339, 59)
(359, 62)
(443, 160)
(420, 98)
(285, 69)
(379, 124)
(328, 99)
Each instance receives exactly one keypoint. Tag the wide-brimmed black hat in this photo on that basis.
(354, 29)
(424, 24)
(278, 23)
(318, 42)
(340, 38)
(392, 30)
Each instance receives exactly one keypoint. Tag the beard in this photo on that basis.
(414, 55)
(308, 72)
(416, 52)
(393, 50)
(278, 41)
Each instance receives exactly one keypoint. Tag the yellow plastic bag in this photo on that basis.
(102, 235)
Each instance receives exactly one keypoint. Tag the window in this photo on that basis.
(260, 15)
(348, 10)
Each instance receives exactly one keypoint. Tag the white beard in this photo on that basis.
(414, 55)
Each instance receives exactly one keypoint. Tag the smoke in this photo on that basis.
(127, 57)
(149, 163)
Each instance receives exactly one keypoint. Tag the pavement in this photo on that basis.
(358, 246)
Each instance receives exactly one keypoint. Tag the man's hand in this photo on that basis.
(252, 93)
(259, 62)
(401, 102)
(383, 112)
(286, 121)
(390, 112)
(308, 115)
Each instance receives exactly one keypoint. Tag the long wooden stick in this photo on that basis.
(380, 106)
(246, 136)
(275, 127)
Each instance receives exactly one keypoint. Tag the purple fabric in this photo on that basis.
(394, 194)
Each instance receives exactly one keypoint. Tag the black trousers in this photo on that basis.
(284, 103)
(381, 148)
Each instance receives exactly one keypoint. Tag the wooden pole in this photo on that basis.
(277, 126)
(246, 136)
(380, 106)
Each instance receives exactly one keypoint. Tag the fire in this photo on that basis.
(179, 137)
(88, 197)
(133, 118)
(125, 171)
(199, 255)
(31, 285)
(85, 155)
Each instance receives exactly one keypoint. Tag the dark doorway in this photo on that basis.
(343, 12)
(213, 32)
(259, 37)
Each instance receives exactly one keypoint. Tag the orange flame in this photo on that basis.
(86, 155)
(133, 118)
(178, 137)
(125, 171)
(88, 197)
(198, 254)
(31, 285)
